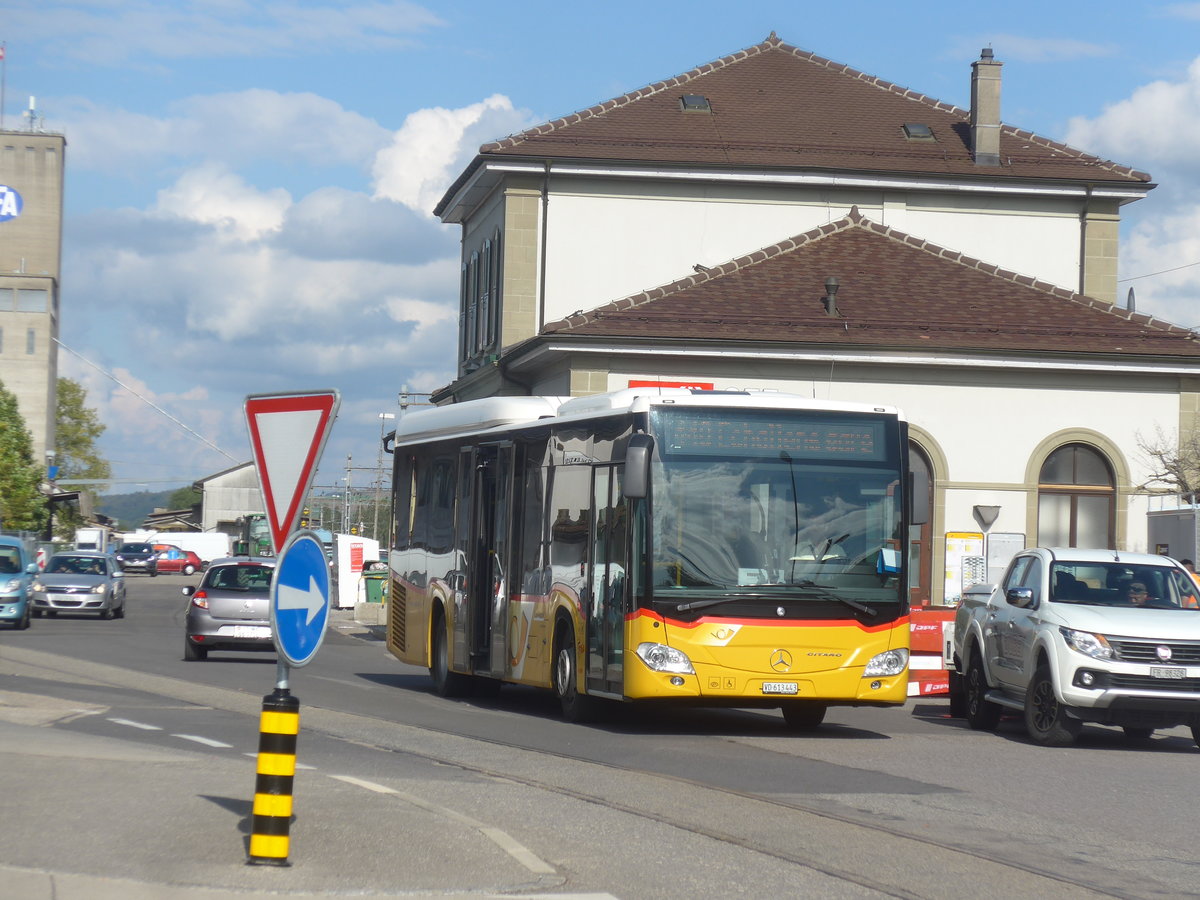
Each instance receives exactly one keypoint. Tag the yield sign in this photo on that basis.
(287, 434)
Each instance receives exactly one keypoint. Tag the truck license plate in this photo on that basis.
(780, 687)
(1164, 672)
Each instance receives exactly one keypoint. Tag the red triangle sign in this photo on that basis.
(288, 433)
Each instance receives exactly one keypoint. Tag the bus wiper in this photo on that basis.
(823, 591)
(701, 604)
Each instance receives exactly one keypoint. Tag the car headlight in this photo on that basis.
(661, 658)
(37, 586)
(1094, 645)
(99, 588)
(13, 584)
(890, 662)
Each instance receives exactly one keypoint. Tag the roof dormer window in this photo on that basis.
(695, 103)
(918, 131)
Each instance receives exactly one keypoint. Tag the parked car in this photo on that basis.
(80, 581)
(16, 574)
(230, 609)
(173, 560)
(1072, 636)
(138, 558)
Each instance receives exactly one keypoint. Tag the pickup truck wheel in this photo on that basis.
(1045, 719)
(982, 714)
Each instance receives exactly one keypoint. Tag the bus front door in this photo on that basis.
(606, 611)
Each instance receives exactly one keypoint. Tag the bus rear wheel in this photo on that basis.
(445, 682)
(575, 706)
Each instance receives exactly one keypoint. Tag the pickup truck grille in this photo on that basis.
(1184, 653)
(1146, 683)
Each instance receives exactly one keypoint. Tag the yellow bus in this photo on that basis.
(665, 545)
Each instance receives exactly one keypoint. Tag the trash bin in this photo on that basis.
(376, 586)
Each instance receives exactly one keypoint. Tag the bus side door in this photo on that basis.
(609, 564)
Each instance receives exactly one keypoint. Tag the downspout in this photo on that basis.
(541, 315)
(1083, 227)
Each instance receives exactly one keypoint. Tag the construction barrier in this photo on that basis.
(928, 627)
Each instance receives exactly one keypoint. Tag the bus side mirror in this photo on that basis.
(637, 466)
(918, 498)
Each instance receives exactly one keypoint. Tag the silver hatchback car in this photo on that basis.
(230, 609)
(80, 581)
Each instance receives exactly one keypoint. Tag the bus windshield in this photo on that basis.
(781, 505)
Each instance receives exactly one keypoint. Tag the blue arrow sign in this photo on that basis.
(300, 599)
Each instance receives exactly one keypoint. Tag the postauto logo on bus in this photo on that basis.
(11, 203)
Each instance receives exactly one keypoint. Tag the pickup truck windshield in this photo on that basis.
(771, 520)
(1120, 584)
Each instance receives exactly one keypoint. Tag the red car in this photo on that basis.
(173, 561)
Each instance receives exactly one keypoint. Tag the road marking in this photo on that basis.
(208, 742)
(501, 839)
(133, 724)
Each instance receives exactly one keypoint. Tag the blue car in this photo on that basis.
(16, 573)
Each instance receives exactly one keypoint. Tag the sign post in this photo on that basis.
(287, 433)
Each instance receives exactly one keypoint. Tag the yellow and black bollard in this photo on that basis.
(279, 728)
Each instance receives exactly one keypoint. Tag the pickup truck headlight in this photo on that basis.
(891, 662)
(1094, 645)
(662, 658)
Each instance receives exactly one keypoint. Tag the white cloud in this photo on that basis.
(237, 128)
(1156, 129)
(435, 145)
(223, 200)
(112, 32)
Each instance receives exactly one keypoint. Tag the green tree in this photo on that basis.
(76, 430)
(184, 498)
(22, 504)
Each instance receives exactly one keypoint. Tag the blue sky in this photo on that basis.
(250, 184)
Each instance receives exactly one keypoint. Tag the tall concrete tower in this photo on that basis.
(31, 203)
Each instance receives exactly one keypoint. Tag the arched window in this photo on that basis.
(1076, 497)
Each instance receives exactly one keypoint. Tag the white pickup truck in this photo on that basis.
(1072, 636)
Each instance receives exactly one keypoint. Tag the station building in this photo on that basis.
(773, 220)
(31, 203)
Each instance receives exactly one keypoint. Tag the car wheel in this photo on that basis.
(119, 612)
(982, 714)
(107, 614)
(804, 715)
(189, 570)
(1045, 719)
(575, 706)
(37, 613)
(24, 621)
(153, 572)
(958, 695)
(445, 682)
(192, 653)
(1196, 734)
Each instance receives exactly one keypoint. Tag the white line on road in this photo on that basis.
(208, 742)
(133, 724)
(504, 841)
(299, 765)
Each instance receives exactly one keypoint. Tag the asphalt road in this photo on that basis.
(130, 770)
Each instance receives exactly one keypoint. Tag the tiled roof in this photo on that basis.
(777, 106)
(896, 291)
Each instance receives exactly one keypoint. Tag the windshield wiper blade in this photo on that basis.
(718, 601)
(823, 591)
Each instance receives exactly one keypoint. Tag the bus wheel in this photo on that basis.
(575, 707)
(445, 682)
(803, 715)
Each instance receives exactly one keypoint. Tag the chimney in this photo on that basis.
(985, 109)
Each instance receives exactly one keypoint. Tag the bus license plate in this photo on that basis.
(780, 687)
(1163, 672)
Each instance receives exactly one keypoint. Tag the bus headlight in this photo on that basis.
(661, 658)
(890, 662)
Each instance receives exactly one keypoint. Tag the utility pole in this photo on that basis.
(383, 419)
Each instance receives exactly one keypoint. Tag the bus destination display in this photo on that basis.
(719, 433)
